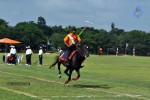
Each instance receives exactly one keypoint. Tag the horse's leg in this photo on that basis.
(66, 71)
(69, 77)
(77, 77)
(59, 70)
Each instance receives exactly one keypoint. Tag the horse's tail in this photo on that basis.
(53, 64)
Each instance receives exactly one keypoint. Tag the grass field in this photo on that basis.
(102, 78)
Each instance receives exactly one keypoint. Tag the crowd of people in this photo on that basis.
(12, 58)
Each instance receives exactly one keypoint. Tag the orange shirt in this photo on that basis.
(72, 39)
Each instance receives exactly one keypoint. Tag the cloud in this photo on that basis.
(78, 10)
(74, 12)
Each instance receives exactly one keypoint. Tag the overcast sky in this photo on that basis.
(75, 12)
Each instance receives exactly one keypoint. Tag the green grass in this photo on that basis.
(102, 78)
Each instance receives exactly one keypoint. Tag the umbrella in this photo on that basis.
(9, 41)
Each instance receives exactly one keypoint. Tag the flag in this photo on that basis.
(138, 12)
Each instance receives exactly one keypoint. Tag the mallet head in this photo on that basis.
(88, 22)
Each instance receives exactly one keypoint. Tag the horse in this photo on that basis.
(74, 63)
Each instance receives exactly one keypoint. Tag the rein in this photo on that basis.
(79, 50)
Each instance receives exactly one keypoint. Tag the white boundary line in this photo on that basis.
(33, 77)
(118, 94)
(23, 93)
(121, 94)
(81, 96)
(18, 92)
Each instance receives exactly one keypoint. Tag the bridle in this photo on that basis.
(80, 51)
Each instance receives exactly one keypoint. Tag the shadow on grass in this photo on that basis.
(92, 86)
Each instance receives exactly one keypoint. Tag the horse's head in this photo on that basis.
(84, 51)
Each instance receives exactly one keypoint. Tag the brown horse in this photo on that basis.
(74, 63)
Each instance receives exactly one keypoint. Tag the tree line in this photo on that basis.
(38, 34)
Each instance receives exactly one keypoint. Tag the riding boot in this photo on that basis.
(67, 59)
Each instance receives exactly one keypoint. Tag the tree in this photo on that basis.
(29, 33)
(135, 39)
(37, 34)
(112, 26)
(56, 40)
(42, 25)
(41, 22)
(4, 28)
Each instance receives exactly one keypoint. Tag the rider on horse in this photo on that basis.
(73, 59)
(71, 41)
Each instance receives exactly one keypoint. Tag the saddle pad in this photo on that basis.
(72, 53)
(63, 57)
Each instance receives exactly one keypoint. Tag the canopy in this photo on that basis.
(9, 41)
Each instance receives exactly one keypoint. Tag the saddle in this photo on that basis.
(65, 56)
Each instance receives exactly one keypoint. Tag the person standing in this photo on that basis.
(100, 51)
(40, 56)
(133, 51)
(28, 55)
(13, 54)
(117, 52)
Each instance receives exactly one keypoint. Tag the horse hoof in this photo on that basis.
(75, 78)
(67, 82)
(59, 76)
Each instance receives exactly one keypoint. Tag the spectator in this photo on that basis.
(40, 56)
(13, 54)
(28, 55)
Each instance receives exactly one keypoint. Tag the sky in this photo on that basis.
(75, 12)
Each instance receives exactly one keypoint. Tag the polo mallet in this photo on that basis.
(35, 62)
(88, 23)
